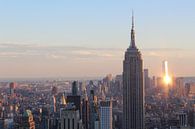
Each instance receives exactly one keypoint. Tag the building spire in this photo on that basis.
(132, 19)
(132, 33)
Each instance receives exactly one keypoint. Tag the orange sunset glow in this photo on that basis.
(167, 78)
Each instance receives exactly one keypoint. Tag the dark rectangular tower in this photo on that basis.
(133, 89)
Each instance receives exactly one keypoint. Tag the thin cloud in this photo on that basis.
(18, 50)
(163, 49)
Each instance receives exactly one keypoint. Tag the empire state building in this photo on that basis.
(133, 90)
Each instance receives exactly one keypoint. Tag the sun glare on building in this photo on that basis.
(167, 79)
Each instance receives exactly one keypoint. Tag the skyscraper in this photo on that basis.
(85, 110)
(93, 111)
(75, 98)
(75, 88)
(106, 114)
(12, 86)
(70, 117)
(146, 79)
(133, 89)
(53, 104)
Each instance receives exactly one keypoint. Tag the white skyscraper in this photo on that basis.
(106, 114)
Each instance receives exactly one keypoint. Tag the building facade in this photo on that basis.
(133, 89)
(70, 118)
(106, 114)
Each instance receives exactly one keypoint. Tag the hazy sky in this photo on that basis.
(82, 38)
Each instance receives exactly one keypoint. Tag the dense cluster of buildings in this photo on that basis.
(93, 104)
(28, 105)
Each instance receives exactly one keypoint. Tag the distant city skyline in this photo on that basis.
(88, 39)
